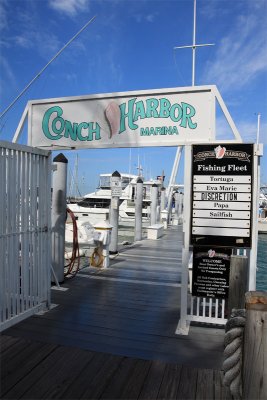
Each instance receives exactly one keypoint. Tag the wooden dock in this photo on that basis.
(112, 335)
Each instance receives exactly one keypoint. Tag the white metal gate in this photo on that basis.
(25, 232)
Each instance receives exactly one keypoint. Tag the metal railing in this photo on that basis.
(25, 213)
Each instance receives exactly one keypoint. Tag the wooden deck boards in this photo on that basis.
(35, 370)
(129, 312)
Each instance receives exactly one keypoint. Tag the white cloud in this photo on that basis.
(140, 18)
(247, 130)
(69, 7)
(46, 43)
(241, 54)
(3, 15)
(10, 79)
(23, 41)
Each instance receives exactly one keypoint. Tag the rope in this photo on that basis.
(97, 258)
(69, 268)
(233, 341)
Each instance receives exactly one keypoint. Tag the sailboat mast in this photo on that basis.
(193, 47)
(194, 44)
(258, 129)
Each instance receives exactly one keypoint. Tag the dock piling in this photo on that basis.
(238, 282)
(58, 215)
(255, 347)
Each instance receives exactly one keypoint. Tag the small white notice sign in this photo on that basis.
(116, 188)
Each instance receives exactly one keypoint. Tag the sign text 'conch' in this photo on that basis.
(155, 119)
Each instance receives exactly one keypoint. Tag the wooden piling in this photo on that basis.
(238, 282)
(255, 347)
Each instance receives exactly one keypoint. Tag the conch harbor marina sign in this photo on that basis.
(164, 117)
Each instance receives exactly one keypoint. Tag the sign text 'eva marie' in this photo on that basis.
(165, 117)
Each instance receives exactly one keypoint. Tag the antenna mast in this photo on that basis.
(194, 45)
(44, 68)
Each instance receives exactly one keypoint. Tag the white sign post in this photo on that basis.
(223, 193)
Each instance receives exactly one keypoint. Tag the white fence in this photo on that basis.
(25, 212)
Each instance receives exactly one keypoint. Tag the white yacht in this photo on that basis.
(94, 207)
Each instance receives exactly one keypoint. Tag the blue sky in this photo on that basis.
(129, 46)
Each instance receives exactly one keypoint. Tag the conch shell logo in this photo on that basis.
(211, 253)
(219, 151)
(112, 113)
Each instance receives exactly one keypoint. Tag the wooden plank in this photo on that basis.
(38, 374)
(6, 342)
(170, 382)
(53, 384)
(114, 388)
(132, 346)
(63, 372)
(134, 384)
(14, 352)
(188, 384)
(205, 384)
(127, 319)
(153, 381)
(101, 368)
(22, 365)
(221, 392)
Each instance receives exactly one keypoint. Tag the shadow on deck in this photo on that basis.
(112, 335)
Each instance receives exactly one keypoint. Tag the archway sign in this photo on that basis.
(221, 177)
(165, 117)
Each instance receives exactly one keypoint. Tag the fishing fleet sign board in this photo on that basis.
(162, 117)
(222, 195)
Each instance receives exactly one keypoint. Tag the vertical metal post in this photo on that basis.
(138, 210)
(114, 213)
(162, 199)
(194, 44)
(254, 228)
(177, 200)
(180, 205)
(154, 203)
(58, 217)
(183, 325)
(172, 180)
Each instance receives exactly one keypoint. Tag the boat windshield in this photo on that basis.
(104, 182)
